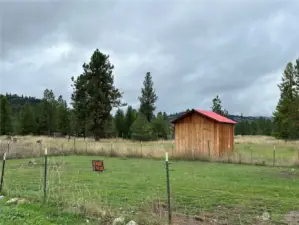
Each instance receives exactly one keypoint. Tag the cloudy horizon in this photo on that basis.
(194, 50)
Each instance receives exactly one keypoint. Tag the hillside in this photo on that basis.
(237, 118)
(17, 101)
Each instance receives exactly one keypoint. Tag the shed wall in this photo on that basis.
(196, 133)
(226, 142)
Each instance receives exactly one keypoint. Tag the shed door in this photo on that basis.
(207, 140)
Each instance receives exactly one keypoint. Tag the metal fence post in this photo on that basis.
(251, 155)
(168, 187)
(2, 173)
(45, 174)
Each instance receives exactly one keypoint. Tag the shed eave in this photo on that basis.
(194, 110)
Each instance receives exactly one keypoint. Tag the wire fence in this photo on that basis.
(263, 154)
(177, 192)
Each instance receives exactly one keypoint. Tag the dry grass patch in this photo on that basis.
(255, 150)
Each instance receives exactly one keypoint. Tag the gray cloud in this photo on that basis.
(194, 49)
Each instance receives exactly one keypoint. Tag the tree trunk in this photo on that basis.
(98, 132)
(96, 137)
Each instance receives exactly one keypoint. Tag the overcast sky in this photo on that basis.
(194, 49)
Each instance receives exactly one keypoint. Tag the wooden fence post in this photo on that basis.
(274, 160)
(141, 148)
(74, 145)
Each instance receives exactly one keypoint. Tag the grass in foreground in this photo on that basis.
(35, 214)
(235, 193)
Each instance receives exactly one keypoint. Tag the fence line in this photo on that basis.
(275, 155)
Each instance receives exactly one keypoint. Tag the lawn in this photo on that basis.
(235, 193)
(34, 214)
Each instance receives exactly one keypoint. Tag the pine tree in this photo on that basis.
(79, 103)
(216, 107)
(74, 124)
(283, 117)
(5, 117)
(47, 113)
(297, 75)
(165, 116)
(161, 126)
(44, 118)
(109, 128)
(130, 117)
(296, 104)
(94, 91)
(142, 129)
(63, 116)
(27, 120)
(148, 98)
(119, 123)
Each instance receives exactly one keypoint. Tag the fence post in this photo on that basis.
(251, 155)
(74, 145)
(45, 174)
(111, 147)
(274, 156)
(168, 187)
(86, 147)
(141, 147)
(8, 147)
(240, 161)
(2, 173)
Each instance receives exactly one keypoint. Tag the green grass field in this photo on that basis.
(239, 194)
(34, 214)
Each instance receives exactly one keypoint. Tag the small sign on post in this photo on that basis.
(98, 165)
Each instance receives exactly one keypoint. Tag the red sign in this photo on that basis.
(98, 165)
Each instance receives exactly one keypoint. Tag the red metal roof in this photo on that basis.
(215, 116)
(209, 114)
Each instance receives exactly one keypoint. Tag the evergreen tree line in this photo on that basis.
(52, 116)
(95, 95)
(258, 126)
(93, 98)
(285, 120)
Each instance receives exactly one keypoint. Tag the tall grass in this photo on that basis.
(248, 149)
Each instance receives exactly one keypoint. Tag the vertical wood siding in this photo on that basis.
(197, 133)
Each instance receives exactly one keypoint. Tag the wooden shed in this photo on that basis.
(204, 133)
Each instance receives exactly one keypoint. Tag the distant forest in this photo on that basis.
(95, 95)
(247, 125)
